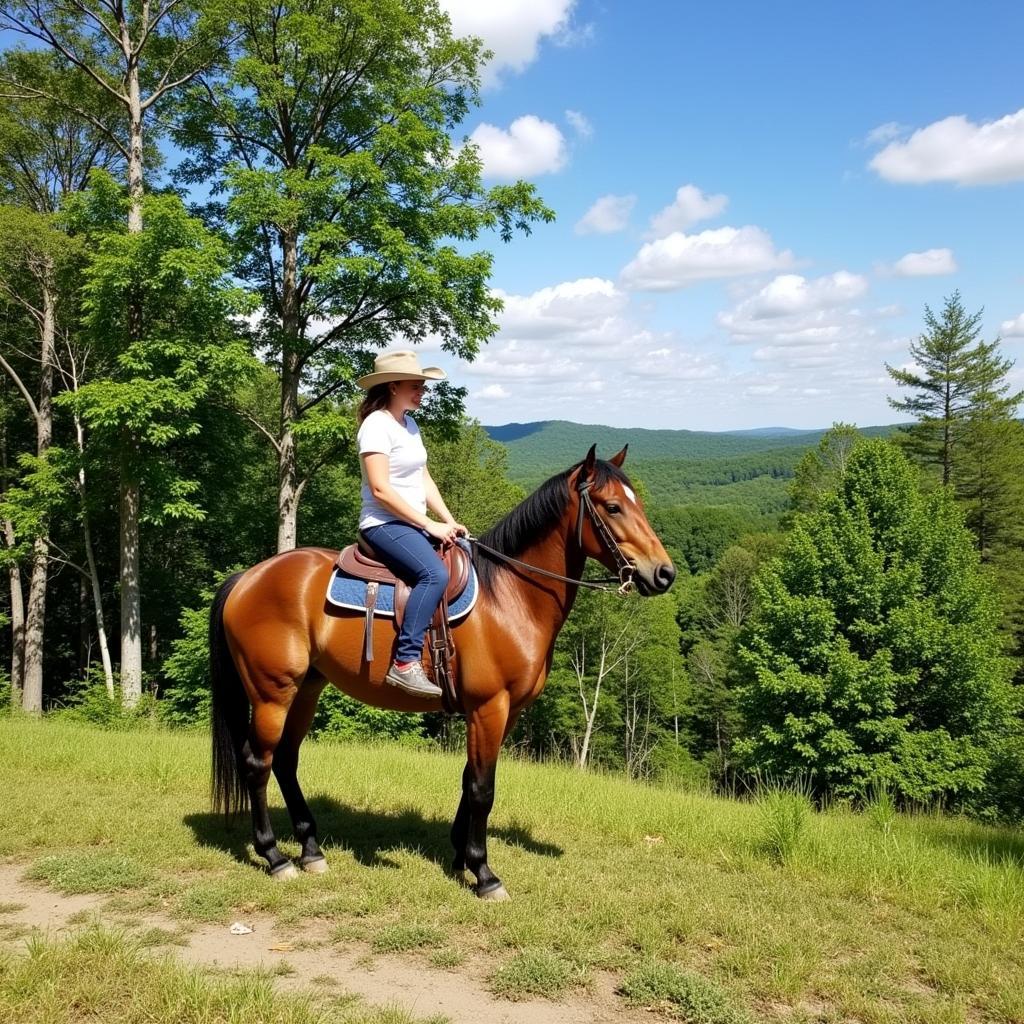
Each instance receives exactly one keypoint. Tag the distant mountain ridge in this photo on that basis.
(536, 450)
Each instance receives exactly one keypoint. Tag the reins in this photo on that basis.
(622, 583)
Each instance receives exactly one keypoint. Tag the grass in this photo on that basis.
(104, 978)
(681, 995)
(882, 918)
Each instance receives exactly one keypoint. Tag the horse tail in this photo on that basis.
(229, 713)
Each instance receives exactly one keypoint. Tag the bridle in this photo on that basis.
(623, 582)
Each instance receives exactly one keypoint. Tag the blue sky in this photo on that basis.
(839, 167)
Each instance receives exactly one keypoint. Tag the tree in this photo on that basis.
(820, 469)
(948, 356)
(167, 349)
(351, 208)
(874, 656)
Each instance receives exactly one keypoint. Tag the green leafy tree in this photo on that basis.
(874, 656)
(820, 469)
(353, 211)
(166, 351)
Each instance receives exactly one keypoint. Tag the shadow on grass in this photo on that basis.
(368, 835)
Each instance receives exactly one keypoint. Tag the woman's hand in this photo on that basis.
(444, 532)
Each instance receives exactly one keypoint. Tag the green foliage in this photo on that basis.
(342, 718)
(821, 469)
(682, 995)
(159, 304)
(874, 654)
(470, 472)
(87, 700)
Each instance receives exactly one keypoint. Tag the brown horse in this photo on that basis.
(275, 644)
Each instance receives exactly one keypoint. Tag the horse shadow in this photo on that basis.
(368, 835)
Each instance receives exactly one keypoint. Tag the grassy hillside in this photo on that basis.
(754, 911)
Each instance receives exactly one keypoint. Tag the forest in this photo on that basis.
(214, 216)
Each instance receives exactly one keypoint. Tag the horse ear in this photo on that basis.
(618, 460)
(588, 462)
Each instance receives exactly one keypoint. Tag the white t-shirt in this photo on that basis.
(402, 444)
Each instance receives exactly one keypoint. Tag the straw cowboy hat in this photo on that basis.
(402, 365)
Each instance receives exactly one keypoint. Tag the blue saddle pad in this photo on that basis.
(348, 592)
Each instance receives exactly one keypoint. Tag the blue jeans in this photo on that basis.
(407, 552)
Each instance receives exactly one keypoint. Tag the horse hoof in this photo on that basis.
(316, 866)
(499, 894)
(285, 873)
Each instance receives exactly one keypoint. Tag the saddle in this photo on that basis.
(361, 561)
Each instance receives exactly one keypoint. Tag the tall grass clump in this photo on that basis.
(784, 815)
(881, 808)
(681, 995)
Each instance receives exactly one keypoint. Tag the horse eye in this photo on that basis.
(613, 509)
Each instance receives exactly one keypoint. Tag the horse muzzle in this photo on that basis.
(654, 579)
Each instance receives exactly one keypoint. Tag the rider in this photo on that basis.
(396, 493)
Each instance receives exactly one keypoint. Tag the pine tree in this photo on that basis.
(950, 361)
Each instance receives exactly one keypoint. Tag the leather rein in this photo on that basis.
(622, 583)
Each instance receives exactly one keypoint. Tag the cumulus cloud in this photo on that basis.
(690, 206)
(492, 392)
(528, 147)
(584, 307)
(579, 347)
(679, 260)
(580, 124)
(930, 263)
(792, 295)
(1012, 328)
(607, 215)
(958, 150)
(513, 32)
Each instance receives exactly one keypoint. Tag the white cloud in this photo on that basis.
(1012, 328)
(585, 306)
(958, 150)
(680, 260)
(930, 263)
(492, 392)
(512, 31)
(529, 147)
(690, 205)
(580, 124)
(607, 215)
(791, 295)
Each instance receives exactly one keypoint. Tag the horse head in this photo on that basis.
(612, 527)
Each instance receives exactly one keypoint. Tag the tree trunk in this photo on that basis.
(35, 612)
(288, 478)
(131, 598)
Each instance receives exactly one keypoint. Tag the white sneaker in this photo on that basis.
(412, 679)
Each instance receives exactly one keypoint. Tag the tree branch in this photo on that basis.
(21, 387)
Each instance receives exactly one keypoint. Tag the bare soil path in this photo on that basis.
(312, 961)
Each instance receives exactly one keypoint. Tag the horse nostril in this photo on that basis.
(664, 575)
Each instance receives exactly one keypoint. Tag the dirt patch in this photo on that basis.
(313, 963)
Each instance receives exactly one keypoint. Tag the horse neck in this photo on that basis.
(546, 601)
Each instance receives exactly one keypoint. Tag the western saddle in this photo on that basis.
(361, 561)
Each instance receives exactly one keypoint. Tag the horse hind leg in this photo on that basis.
(286, 763)
(265, 732)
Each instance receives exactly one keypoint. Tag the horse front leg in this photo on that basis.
(486, 728)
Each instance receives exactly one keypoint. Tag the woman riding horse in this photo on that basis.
(275, 644)
(397, 490)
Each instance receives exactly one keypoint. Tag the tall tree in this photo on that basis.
(945, 379)
(351, 207)
(137, 54)
(874, 656)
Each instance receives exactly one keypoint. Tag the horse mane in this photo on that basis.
(534, 518)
